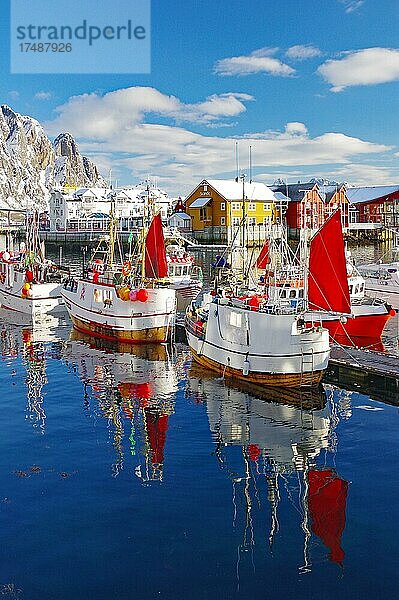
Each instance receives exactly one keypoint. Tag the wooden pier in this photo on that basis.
(365, 371)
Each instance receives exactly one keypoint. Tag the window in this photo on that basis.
(266, 206)
(223, 206)
(223, 220)
(252, 206)
(235, 319)
(252, 221)
(203, 213)
(236, 221)
(205, 188)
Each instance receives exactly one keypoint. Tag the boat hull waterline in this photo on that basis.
(280, 380)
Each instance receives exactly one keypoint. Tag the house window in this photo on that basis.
(252, 221)
(205, 188)
(223, 206)
(266, 206)
(251, 206)
(236, 221)
(223, 220)
(203, 213)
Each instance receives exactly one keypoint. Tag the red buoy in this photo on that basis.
(142, 295)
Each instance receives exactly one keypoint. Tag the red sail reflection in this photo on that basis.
(327, 506)
(157, 426)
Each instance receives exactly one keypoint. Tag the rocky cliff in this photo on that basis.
(30, 164)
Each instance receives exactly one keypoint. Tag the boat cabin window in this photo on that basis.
(292, 294)
(350, 289)
(362, 287)
(235, 319)
(301, 293)
(283, 293)
(15, 276)
(98, 297)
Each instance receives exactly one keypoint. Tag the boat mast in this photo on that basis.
(112, 232)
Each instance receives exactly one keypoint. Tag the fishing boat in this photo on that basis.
(124, 300)
(263, 340)
(286, 283)
(30, 283)
(382, 280)
(185, 277)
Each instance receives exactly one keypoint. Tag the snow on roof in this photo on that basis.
(232, 190)
(280, 196)
(182, 215)
(356, 195)
(92, 191)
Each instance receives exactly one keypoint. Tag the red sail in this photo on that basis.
(328, 279)
(263, 259)
(327, 506)
(155, 255)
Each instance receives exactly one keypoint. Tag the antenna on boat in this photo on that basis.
(242, 177)
(250, 164)
(237, 163)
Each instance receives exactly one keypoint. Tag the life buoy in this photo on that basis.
(126, 268)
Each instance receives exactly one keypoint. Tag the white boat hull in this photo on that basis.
(260, 347)
(46, 297)
(382, 281)
(96, 309)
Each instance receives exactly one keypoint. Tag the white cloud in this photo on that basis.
(363, 174)
(259, 61)
(14, 94)
(296, 129)
(43, 95)
(361, 67)
(95, 116)
(302, 52)
(117, 127)
(351, 5)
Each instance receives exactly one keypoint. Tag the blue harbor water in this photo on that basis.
(131, 473)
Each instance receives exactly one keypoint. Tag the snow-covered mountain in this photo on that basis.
(30, 164)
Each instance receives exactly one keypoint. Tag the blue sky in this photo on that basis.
(311, 85)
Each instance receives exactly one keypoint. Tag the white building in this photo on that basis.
(180, 221)
(87, 209)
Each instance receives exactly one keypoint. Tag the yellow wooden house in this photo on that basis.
(217, 208)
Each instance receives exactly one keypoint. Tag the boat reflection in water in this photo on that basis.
(135, 389)
(270, 442)
(36, 343)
